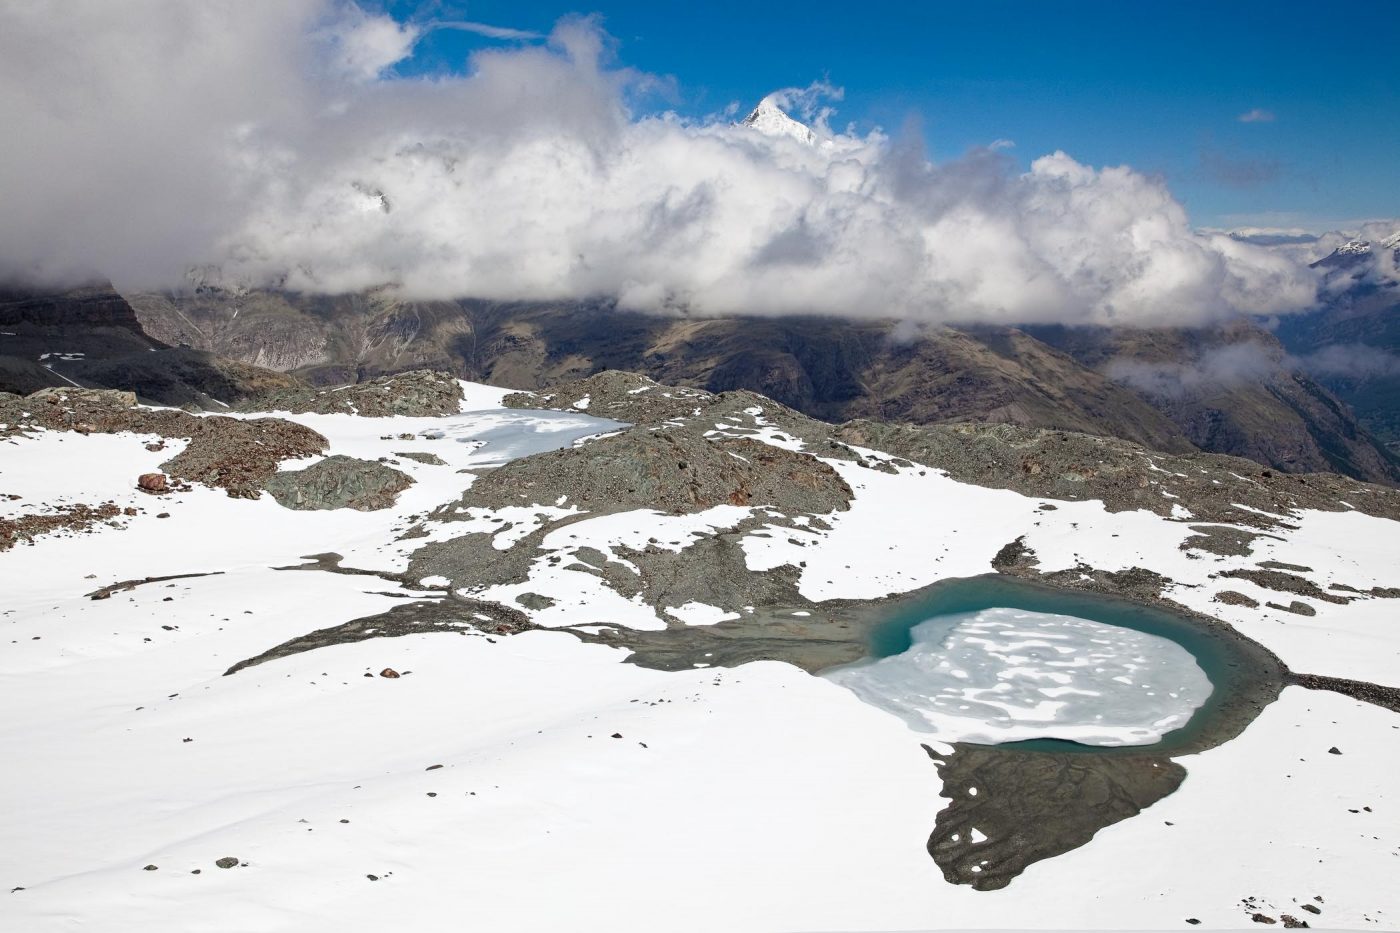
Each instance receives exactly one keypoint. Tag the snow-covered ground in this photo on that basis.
(535, 782)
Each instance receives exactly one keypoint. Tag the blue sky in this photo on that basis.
(1158, 86)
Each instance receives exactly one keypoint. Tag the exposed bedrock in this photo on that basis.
(339, 482)
(416, 394)
(1037, 462)
(234, 454)
(672, 471)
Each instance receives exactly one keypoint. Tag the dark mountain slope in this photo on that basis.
(91, 337)
(834, 369)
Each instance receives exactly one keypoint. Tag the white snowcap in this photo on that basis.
(770, 120)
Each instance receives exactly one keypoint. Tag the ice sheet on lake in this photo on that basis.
(508, 434)
(1005, 675)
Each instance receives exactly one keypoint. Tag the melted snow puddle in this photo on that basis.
(1000, 675)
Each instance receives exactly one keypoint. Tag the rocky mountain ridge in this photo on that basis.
(834, 369)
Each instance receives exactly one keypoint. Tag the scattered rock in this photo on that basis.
(227, 861)
(1297, 607)
(1263, 918)
(60, 518)
(1311, 908)
(422, 457)
(534, 601)
(149, 868)
(1232, 598)
(1334, 750)
(389, 673)
(1281, 582)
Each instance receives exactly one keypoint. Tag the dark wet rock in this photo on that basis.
(1263, 918)
(420, 393)
(1310, 908)
(150, 868)
(1280, 565)
(1378, 694)
(422, 457)
(227, 861)
(390, 673)
(339, 482)
(107, 591)
(1334, 750)
(1014, 555)
(1134, 583)
(1297, 607)
(1281, 582)
(1223, 540)
(1034, 805)
(1232, 598)
(411, 618)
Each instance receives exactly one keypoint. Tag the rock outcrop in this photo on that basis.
(339, 482)
(234, 454)
(415, 394)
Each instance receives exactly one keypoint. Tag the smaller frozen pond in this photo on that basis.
(1006, 675)
(498, 436)
(472, 440)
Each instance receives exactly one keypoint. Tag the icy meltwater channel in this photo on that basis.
(1006, 675)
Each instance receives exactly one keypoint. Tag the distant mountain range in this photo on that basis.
(1351, 342)
(1228, 390)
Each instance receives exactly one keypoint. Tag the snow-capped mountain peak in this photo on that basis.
(770, 120)
(1392, 241)
(1355, 247)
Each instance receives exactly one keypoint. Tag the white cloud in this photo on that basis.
(1257, 115)
(364, 45)
(490, 32)
(264, 138)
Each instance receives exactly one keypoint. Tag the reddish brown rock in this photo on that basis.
(152, 482)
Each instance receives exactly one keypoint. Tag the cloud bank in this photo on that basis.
(272, 141)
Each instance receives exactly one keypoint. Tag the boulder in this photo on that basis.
(152, 482)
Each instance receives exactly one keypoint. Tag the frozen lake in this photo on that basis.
(1005, 675)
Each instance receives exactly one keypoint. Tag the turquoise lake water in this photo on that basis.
(1218, 655)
